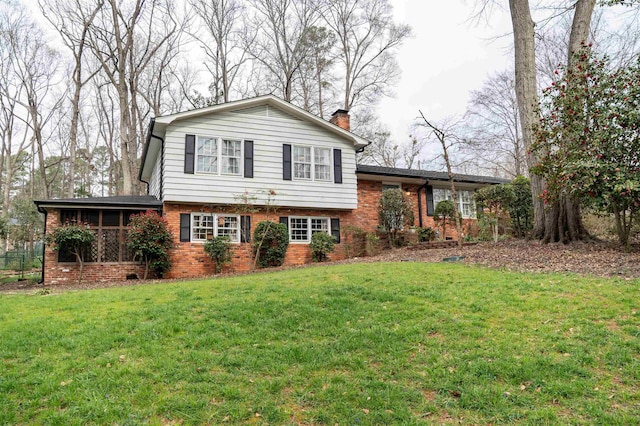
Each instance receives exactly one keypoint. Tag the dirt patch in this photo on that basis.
(596, 258)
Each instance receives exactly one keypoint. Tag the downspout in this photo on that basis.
(359, 150)
(420, 188)
(44, 235)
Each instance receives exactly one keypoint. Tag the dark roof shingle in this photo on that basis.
(425, 174)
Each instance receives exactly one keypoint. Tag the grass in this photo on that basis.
(403, 343)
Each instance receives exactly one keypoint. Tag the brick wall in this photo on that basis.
(189, 260)
(64, 273)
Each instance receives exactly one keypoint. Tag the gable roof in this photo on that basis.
(425, 174)
(158, 125)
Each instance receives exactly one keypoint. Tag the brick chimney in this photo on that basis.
(341, 119)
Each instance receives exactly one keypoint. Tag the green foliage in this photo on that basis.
(219, 250)
(444, 214)
(321, 245)
(371, 241)
(494, 202)
(426, 234)
(270, 243)
(74, 238)
(395, 211)
(521, 208)
(29, 222)
(588, 138)
(4, 227)
(151, 240)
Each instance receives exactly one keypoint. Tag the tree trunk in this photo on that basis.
(526, 94)
(568, 226)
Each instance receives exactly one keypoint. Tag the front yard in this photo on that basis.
(379, 343)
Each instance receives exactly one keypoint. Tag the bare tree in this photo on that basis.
(72, 19)
(494, 126)
(280, 44)
(223, 24)
(446, 136)
(125, 38)
(368, 40)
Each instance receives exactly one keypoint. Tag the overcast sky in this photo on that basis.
(448, 57)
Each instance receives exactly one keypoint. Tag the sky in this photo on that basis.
(448, 56)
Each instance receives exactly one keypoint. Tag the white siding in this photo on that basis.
(269, 133)
(154, 182)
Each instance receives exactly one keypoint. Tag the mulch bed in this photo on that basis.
(594, 258)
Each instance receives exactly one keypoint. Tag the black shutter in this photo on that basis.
(189, 153)
(286, 162)
(245, 229)
(335, 229)
(248, 159)
(285, 221)
(185, 227)
(337, 166)
(429, 192)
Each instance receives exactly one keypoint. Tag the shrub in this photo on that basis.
(394, 211)
(270, 243)
(321, 245)
(371, 243)
(150, 240)
(444, 214)
(219, 250)
(426, 234)
(354, 241)
(75, 239)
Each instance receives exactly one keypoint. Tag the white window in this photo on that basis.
(311, 163)
(301, 229)
(211, 152)
(207, 155)
(231, 157)
(322, 163)
(205, 226)
(302, 162)
(466, 205)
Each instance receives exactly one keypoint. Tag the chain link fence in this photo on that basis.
(21, 262)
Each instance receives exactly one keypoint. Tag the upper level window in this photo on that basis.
(311, 163)
(211, 152)
(301, 229)
(466, 205)
(205, 226)
(386, 186)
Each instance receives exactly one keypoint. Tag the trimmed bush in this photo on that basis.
(150, 240)
(270, 243)
(426, 234)
(219, 250)
(321, 245)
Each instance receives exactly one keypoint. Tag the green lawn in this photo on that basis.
(395, 343)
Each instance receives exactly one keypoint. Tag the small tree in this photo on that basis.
(394, 211)
(270, 243)
(321, 245)
(75, 239)
(444, 214)
(521, 209)
(219, 250)
(494, 202)
(151, 240)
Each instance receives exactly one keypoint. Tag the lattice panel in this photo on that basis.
(127, 254)
(93, 251)
(110, 240)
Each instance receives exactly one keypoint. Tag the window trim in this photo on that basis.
(447, 191)
(309, 233)
(312, 177)
(219, 140)
(215, 217)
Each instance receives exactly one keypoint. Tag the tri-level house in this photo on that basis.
(221, 170)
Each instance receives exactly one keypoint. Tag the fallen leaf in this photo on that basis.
(364, 410)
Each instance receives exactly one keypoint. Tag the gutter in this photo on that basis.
(44, 243)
